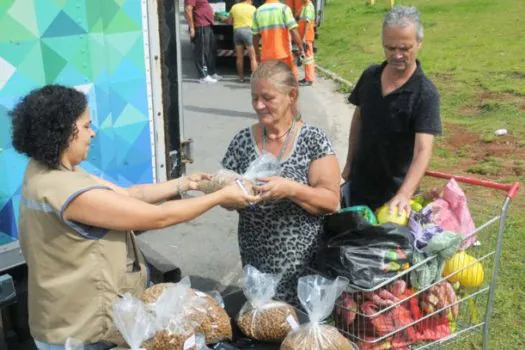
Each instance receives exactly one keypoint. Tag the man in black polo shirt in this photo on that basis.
(396, 118)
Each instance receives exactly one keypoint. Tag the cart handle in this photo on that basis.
(511, 189)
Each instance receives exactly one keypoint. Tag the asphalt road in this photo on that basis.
(206, 248)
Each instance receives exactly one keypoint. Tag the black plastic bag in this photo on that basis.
(351, 218)
(367, 255)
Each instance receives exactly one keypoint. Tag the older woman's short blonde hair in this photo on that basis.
(279, 73)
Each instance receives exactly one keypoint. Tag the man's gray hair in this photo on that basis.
(402, 16)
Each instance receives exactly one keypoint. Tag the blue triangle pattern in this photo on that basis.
(8, 219)
(63, 25)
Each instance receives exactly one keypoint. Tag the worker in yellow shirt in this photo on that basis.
(307, 33)
(241, 16)
(273, 23)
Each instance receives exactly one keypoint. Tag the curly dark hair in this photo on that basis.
(44, 120)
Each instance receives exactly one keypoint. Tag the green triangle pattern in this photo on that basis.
(24, 12)
(130, 115)
(16, 30)
(66, 46)
(47, 11)
(109, 10)
(33, 66)
(60, 3)
(93, 9)
(54, 63)
(14, 52)
(121, 23)
(123, 42)
(5, 5)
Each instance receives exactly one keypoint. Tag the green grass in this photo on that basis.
(474, 51)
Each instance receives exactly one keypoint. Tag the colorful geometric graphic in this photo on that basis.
(96, 46)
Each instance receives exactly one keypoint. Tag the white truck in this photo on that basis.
(125, 55)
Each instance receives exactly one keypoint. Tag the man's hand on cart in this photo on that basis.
(400, 204)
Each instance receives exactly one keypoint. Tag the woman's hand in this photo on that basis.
(233, 197)
(275, 188)
(191, 182)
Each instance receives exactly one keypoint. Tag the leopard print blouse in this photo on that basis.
(280, 236)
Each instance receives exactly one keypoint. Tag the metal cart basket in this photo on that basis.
(418, 319)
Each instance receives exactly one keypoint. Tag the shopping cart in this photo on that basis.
(442, 312)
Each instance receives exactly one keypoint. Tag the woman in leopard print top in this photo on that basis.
(282, 233)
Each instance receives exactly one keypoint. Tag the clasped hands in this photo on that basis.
(269, 189)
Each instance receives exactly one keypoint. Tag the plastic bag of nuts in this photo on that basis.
(134, 322)
(203, 314)
(262, 318)
(318, 296)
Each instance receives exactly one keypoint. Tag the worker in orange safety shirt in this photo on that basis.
(274, 24)
(307, 34)
(296, 6)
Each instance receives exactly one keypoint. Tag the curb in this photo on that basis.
(334, 76)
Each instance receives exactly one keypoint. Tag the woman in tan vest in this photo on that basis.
(76, 229)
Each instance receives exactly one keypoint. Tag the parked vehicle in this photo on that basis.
(224, 32)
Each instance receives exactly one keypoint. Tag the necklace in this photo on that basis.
(285, 144)
(281, 136)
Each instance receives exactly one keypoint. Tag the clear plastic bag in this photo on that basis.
(175, 327)
(318, 295)
(264, 166)
(72, 344)
(182, 311)
(262, 318)
(133, 320)
(200, 342)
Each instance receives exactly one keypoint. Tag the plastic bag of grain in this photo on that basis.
(261, 317)
(202, 313)
(318, 296)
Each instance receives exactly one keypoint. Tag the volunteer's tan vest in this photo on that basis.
(73, 280)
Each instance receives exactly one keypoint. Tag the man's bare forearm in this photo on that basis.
(297, 40)
(418, 167)
(188, 13)
(353, 135)
(255, 40)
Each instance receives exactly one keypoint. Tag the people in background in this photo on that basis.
(307, 33)
(282, 233)
(199, 16)
(273, 24)
(395, 120)
(241, 16)
(76, 229)
(295, 6)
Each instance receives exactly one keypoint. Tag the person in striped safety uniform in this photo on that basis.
(307, 33)
(274, 24)
(296, 6)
